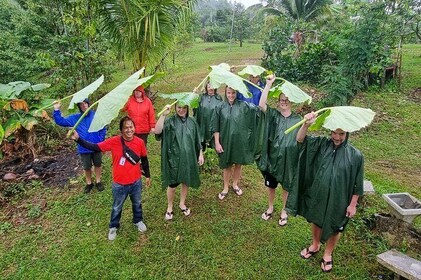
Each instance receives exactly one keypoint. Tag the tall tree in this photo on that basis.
(143, 30)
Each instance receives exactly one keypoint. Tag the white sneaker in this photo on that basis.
(141, 226)
(112, 234)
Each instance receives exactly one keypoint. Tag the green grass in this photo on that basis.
(66, 238)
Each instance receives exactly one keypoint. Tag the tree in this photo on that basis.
(143, 30)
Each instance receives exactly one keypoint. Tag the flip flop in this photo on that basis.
(169, 215)
(222, 195)
(266, 216)
(283, 221)
(186, 211)
(325, 263)
(238, 191)
(308, 252)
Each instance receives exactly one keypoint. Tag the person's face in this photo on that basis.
(210, 90)
(231, 95)
(338, 136)
(83, 106)
(181, 111)
(138, 94)
(128, 130)
(254, 79)
(284, 103)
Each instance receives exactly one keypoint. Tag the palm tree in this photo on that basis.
(144, 30)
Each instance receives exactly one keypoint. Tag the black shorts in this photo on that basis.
(270, 181)
(94, 158)
(172, 186)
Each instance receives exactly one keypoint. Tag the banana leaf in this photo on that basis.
(109, 106)
(39, 87)
(254, 70)
(85, 92)
(347, 118)
(190, 99)
(220, 75)
(294, 93)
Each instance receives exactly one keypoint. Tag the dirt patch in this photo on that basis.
(415, 95)
(51, 170)
(208, 49)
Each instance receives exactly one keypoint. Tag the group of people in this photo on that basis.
(321, 177)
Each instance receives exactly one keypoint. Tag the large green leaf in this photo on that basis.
(219, 75)
(11, 126)
(28, 122)
(190, 99)
(348, 118)
(254, 70)
(85, 92)
(320, 120)
(39, 87)
(110, 105)
(294, 93)
(19, 86)
(6, 91)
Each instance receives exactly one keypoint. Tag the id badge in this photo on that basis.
(122, 160)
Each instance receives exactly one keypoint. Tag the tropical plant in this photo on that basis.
(143, 30)
(18, 118)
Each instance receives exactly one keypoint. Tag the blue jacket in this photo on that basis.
(255, 92)
(82, 128)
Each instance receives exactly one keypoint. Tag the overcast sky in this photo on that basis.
(247, 3)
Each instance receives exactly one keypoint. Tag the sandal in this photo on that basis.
(186, 211)
(169, 215)
(326, 263)
(308, 252)
(222, 195)
(283, 221)
(266, 216)
(238, 191)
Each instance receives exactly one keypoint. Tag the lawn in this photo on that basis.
(62, 233)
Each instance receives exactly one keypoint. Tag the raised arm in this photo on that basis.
(262, 103)
(160, 123)
(310, 118)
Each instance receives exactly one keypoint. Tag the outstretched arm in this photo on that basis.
(160, 123)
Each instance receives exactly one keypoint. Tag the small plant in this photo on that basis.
(34, 211)
(5, 227)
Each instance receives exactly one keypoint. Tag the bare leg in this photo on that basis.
(330, 246)
(315, 245)
(227, 177)
(284, 202)
(237, 175)
(88, 176)
(271, 199)
(183, 195)
(170, 198)
(97, 171)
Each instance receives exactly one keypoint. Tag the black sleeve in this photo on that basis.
(145, 166)
(88, 145)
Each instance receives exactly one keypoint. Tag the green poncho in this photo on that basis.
(327, 179)
(279, 155)
(203, 115)
(180, 148)
(237, 126)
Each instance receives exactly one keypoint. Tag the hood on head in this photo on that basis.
(141, 89)
(85, 100)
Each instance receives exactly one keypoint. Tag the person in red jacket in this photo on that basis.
(140, 109)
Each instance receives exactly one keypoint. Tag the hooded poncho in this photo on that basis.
(327, 178)
(279, 155)
(203, 115)
(180, 148)
(237, 125)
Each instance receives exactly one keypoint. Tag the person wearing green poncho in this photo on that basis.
(234, 124)
(181, 155)
(279, 155)
(203, 114)
(329, 183)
